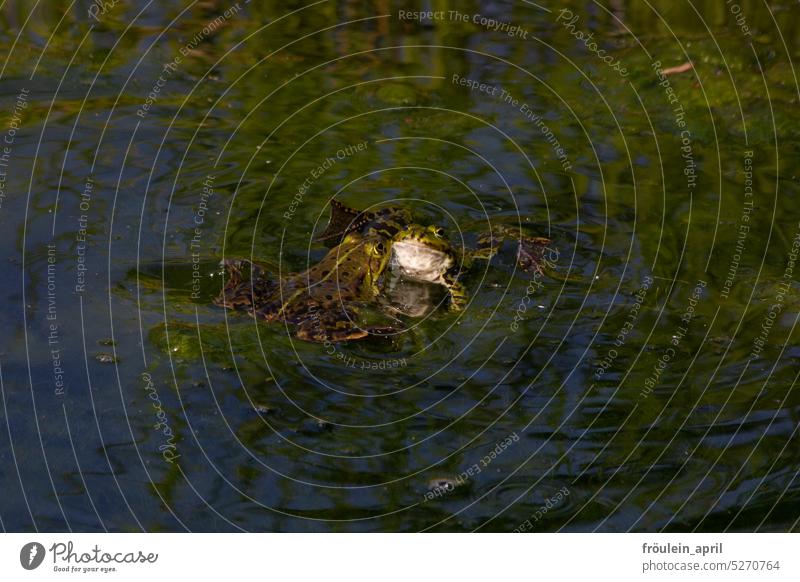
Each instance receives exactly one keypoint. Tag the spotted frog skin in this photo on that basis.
(322, 302)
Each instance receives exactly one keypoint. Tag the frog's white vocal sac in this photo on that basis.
(420, 262)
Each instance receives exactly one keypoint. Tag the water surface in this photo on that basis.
(646, 383)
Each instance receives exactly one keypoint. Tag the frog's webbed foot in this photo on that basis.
(531, 253)
(238, 291)
(338, 326)
(530, 250)
(233, 279)
(343, 220)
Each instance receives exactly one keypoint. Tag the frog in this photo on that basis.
(423, 253)
(322, 302)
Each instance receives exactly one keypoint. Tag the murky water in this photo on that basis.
(647, 382)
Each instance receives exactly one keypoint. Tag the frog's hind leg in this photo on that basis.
(457, 291)
(337, 326)
(309, 333)
(487, 247)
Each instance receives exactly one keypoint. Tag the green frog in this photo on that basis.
(423, 253)
(324, 301)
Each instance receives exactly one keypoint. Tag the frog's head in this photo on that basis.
(422, 253)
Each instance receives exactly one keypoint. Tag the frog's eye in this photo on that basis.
(439, 232)
(380, 248)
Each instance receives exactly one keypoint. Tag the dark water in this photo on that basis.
(648, 382)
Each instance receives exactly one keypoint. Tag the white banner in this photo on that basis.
(355, 557)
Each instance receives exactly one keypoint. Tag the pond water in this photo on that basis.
(645, 382)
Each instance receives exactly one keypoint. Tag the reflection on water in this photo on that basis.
(155, 140)
(410, 298)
